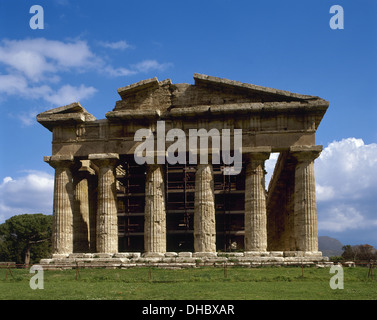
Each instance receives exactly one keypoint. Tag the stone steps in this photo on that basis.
(184, 259)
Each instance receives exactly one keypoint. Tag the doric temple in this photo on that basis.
(107, 202)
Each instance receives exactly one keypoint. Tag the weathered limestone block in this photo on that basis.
(155, 213)
(153, 255)
(276, 253)
(313, 254)
(204, 212)
(230, 254)
(171, 254)
(59, 256)
(185, 254)
(185, 260)
(101, 255)
(123, 255)
(305, 206)
(293, 254)
(255, 203)
(134, 255)
(107, 219)
(204, 255)
(62, 231)
(76, 255)
(256, 254)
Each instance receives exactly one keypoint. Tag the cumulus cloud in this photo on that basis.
(149, 65)
(67, 93)
(346, 178)
(33, 69)
(30, 193)
(348, 169)
(117, 45)
(144, 66)
(36, 58)
(40, 59)
(342, 217)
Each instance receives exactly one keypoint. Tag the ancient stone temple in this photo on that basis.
(107, 202)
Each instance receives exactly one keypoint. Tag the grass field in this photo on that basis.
(268, 283)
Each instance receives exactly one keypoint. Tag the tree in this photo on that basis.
(348, 253)
(363, 252)
(25, 238)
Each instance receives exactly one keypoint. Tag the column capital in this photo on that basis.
(305, 153)
(84, 167)
(104, 159)
(59, 160)
(256, 153)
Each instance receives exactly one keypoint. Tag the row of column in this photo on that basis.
(73, 204)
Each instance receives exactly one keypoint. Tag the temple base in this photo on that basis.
(186, 259)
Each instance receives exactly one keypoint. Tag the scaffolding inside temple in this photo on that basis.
(229, 193)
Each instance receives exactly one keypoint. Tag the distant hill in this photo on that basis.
(329, 246)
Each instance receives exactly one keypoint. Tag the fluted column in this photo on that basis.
(81, 214)
(107, 219)
(255, 203)
(62, 229)
(305, 206)
(204, 211)
(155, 213)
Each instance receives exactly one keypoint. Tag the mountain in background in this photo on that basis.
(330, 247)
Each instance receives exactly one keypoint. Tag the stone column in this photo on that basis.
(204, 211)
(255, 202)
(81, 214)
(107, 218)
(93, 196)
(155, 213)
(62, 229)
(305, 207)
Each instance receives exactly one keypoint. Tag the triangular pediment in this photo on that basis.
(247, 91)
(207, 91)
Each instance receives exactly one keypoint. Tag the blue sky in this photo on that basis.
(88, 49)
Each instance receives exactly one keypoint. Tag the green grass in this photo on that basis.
(207, 283)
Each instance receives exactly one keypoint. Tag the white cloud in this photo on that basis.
(149, 65)
(68, 94)
(341, 218)
(27, 118)
(34, 58)
(118, 72)
(144, 66)
(118, 45)
(31, 193)
(346, 185)
(324, 193)
(34, 65)
(39, 59)
(346, 169)
(33, 69)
